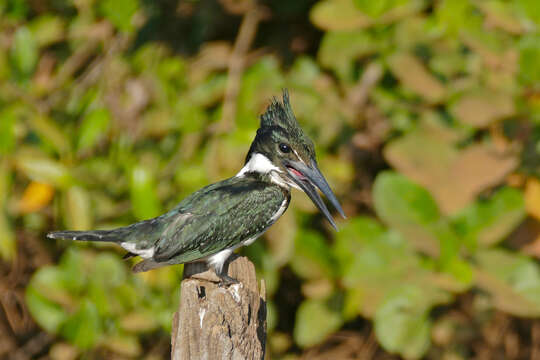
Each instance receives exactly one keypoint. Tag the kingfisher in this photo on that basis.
(214, 221)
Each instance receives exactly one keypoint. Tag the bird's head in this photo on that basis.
(283, 149)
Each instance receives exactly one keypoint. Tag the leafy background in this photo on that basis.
(426, 117)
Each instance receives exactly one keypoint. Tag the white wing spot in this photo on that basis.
(132, 248)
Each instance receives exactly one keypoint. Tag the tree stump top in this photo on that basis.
(217, 322)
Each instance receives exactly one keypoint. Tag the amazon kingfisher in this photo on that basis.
(214, 221)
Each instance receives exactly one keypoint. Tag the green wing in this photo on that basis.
(218, 217)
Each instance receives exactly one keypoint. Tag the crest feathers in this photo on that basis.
(280, 114)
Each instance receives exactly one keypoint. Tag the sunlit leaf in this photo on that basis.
(7, 130)
(49, 132)
(46, 297)
(529, 58)
(488, 222)
(77, 211)
(8, 245)
(312, 257)
(374, 261)
(402, 325)
(119, 12)
(512, 280)
(44, 170)
(49, 315)
(377, 8)
(399, 201)
(338, 15)
(351, 45)
(309, 329)
(24, 51)
(531, 8)
(83, 328)
(74, 267)
(47, 29)
(93, 128)
(411, 210)
(143, 193)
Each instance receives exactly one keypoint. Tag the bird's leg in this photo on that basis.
(221, 272)
(226, 280)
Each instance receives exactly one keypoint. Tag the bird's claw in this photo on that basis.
(226, 280)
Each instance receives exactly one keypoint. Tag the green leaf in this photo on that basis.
(119, 12)
(47, 29)
(7, 130)
(312, 258)
(46, 296)
(455, 15)
(77, 213)
(351, 46)
(8, 245)
(260, 81)
(48, 314)
(73, 266)
(402, 325)
(17, 9)
(44, 170)
(351, 239)
(24, 51)
(411, 210)
(407, 207)
(192, 118)
(50, 133)
(377, 8)
(315, 320)
(374, 261)
(529, 58)
(340, 15)
(83, 328)
(531, 9)
(109, 271)
(304, 72)
(399, 201)
(93, 128)
(143, 193)
(513, 281)
(486, 222)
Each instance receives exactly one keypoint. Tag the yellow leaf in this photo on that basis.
(532, 198)
(35, 197)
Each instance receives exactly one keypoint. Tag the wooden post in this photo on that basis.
(214, 322)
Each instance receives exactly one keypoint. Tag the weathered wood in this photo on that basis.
(216, 322)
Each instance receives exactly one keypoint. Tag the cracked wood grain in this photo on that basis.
(216, 322)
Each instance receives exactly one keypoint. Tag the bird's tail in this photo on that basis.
(143, 234)
(93, 235)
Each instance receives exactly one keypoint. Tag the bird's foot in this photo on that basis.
(226, 280)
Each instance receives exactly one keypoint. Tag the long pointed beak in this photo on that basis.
(307, 177)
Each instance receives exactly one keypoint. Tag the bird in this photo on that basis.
(210, 224)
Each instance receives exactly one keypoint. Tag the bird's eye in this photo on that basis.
(284, 148)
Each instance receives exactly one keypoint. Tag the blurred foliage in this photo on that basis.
(107, 116)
